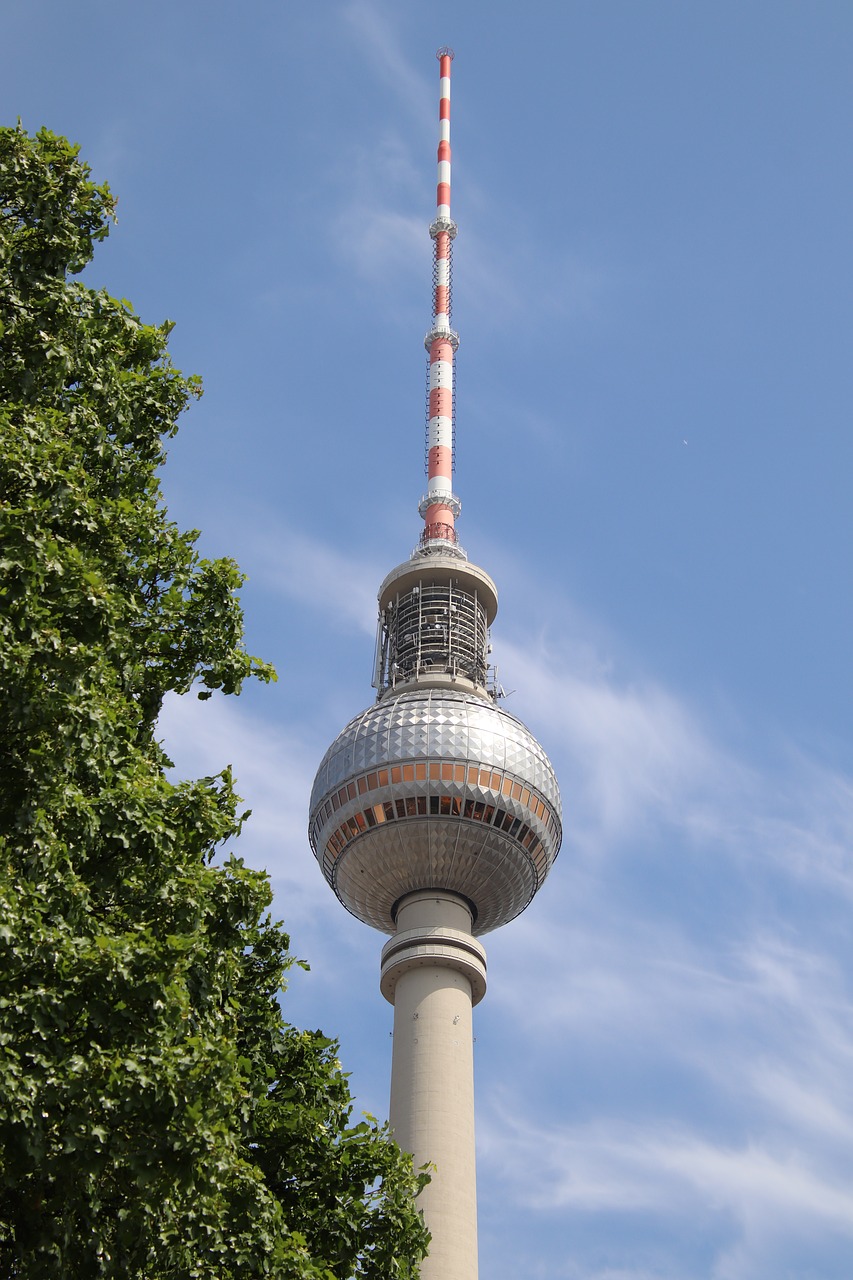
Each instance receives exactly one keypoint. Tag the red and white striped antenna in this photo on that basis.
(439, 506)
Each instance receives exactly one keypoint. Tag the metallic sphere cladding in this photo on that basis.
(435, 789)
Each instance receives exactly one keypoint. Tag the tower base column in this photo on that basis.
(433, 972)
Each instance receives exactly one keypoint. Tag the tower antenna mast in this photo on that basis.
(439, 506)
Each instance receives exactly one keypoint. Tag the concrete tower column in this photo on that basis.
(434, 972)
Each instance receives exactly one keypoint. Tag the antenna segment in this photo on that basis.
(439, 506)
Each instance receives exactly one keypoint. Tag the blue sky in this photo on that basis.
(653, 290)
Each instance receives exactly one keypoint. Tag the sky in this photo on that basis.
(652, 285)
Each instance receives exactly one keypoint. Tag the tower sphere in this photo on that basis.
(435, 789)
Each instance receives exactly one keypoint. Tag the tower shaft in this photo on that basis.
(433, 972)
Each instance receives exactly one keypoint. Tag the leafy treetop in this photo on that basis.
(157, 1116)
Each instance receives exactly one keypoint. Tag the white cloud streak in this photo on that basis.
(619, 1168)
(381, 227)
(376, 36)
(315, 575)
(273, 772)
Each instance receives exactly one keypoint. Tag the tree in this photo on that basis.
(157, 1116)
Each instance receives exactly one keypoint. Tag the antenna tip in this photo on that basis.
(444, 52)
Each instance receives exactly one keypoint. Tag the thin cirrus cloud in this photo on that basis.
(758, 1023)
(317, 576)
(811, 1100)
(638, 748)
(718, 1069)
(616, 1167)
(373, 34)
(273, 771)
(384, 238)
(379, 229)
(755, 1198)
(389, 246)
(382, 228)
(637, 754)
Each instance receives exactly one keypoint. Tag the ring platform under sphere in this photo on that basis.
(435, 789)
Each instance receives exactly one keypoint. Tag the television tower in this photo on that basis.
(435, 814)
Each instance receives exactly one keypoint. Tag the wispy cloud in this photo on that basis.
(316, 575)
(381, 228)
(725, 1092)
(274, 771)
(639, 749)
(375, 32)
(384, 245)
(638, 756)
(766, 1196)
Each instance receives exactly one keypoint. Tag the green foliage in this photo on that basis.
(157, 1116)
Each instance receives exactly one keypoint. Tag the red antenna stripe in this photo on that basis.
(441, 459)
(441, 402)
